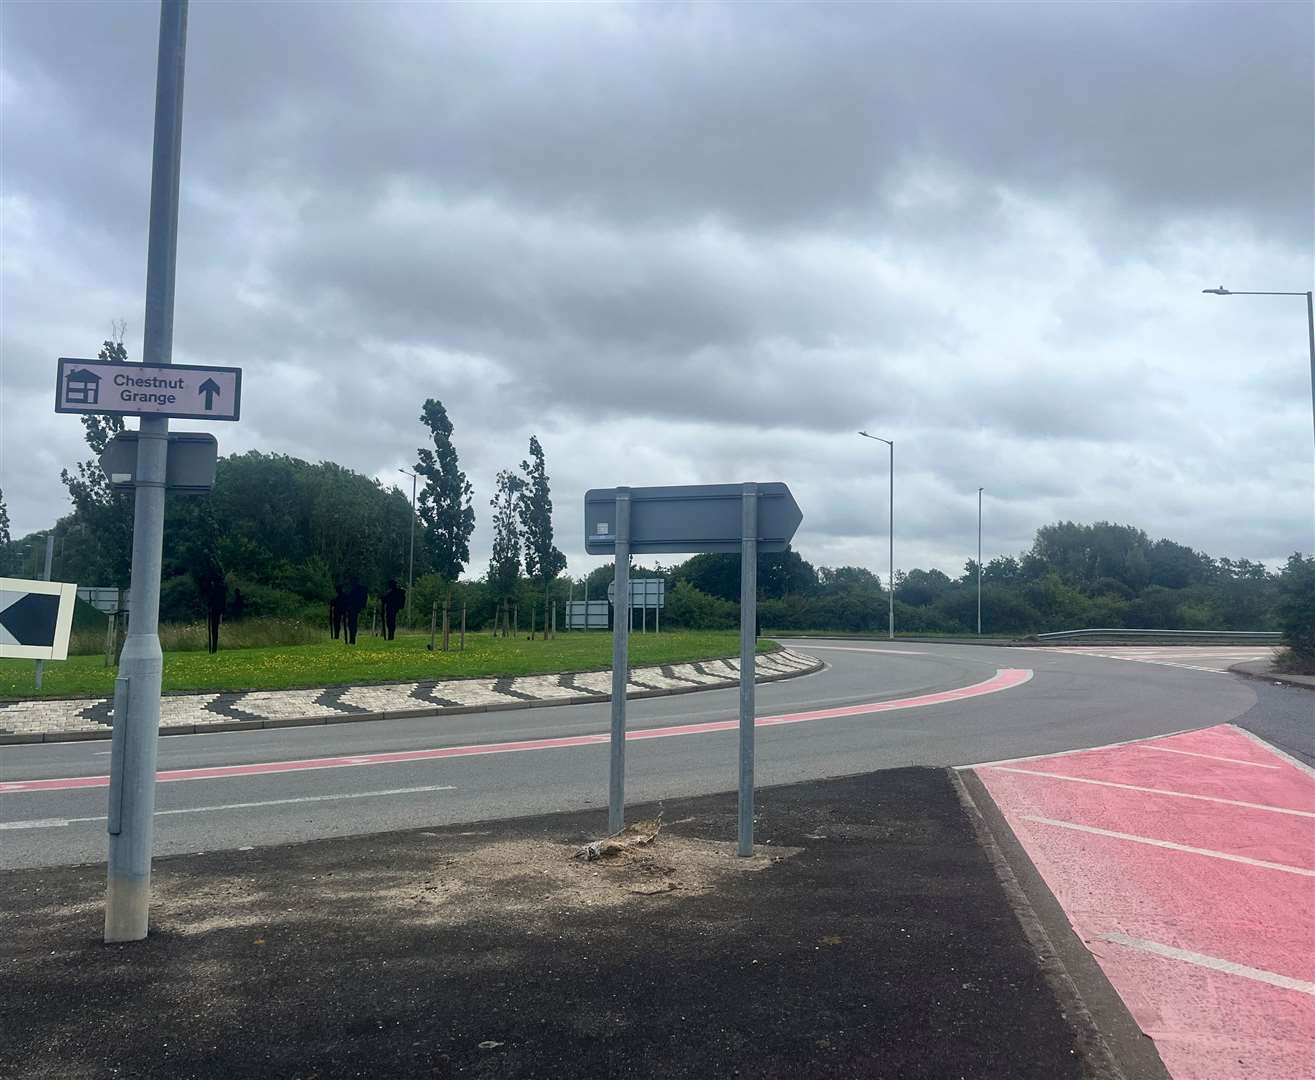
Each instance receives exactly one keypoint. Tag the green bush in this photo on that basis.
(1297, 612)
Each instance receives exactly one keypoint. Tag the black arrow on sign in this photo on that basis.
(210, 389)
(31, 619)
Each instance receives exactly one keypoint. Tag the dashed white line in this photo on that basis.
(1169, 845)
(1215, 963)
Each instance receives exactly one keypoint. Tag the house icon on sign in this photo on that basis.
(81, 387)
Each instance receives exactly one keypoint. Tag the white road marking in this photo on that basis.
(1170, 845)
(1215, 963)
(1297, 762)
(1065, 753)
(852, 648)
(1159, 791)
(1212, 757)
(55, 823)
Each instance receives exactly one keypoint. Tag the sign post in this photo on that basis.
(748, 657)
(744, 518)
(620, 663)
(137, 690)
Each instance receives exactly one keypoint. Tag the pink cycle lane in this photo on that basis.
(1187, 866)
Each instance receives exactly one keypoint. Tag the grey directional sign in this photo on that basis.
(35, 619)
(644, 592)
(189, 468)
(694, 518)
(112, 386)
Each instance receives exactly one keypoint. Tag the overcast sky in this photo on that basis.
(698, 244)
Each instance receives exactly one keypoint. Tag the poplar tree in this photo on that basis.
(444, 504)
(543, 561)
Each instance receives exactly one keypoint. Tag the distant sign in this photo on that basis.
(644, 592)
(35, 619)
(699, 517)
(189, 468)
(102, 599)
(588, 614)
(112, 386)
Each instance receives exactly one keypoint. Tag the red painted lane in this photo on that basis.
(1256, 922)
(1253, 834)
(1003, 679)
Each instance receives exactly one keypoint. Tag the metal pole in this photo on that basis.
(1310, 337)
(45, 576)
(463, 626)
(620, 665)
(979, 560)
(411, 565)
(891, 444)
(128, 887)
(748, 656)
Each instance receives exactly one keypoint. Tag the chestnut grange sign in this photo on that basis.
(110, 386)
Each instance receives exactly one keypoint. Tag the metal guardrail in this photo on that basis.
(1203, 635)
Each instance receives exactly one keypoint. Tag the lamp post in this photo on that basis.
(1310, 328)
(411, 565)
(979, 562)
(891, 583)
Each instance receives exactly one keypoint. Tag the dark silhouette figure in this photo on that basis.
(238, 607)
(337, 610)
(352, 607)
(216, 595)
(394, 599)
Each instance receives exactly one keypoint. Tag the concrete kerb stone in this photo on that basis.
(767, 672)
(1259, 669)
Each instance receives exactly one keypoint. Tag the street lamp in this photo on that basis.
(891, 583)
(1310, 328)
(411, 566)
(979, 562)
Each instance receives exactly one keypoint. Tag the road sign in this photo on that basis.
(189, 468)
(693, 518)
(746, 518)
(104, 599)
(587, 614)
(644, 592)
(35, 619)
(113, 386)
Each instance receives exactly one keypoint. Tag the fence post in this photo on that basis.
(433, 619)
(463, 626)
(445, 624)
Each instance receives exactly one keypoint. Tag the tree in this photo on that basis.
(1297, 612)
(505, 562)
(5, 539)
(104, 513)
(543, 561)
(445, 509)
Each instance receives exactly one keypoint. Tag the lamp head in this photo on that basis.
(1221, 291)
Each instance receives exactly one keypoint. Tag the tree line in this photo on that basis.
(287, 531)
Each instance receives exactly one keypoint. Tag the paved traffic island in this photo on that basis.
(188, 714)
(869, 936)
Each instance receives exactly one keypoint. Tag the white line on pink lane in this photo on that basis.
(1154, 791)
(1168, 845)
(1003, 679)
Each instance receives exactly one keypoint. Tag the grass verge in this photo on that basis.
(371, 660)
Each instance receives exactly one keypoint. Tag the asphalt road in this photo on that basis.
(1070, 701)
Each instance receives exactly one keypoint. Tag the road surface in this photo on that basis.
(882, 706)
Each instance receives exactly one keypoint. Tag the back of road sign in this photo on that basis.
(35, 619)
(189, 468)
(694, 518)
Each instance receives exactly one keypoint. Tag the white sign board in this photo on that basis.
(35, 619)
(111, 386)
